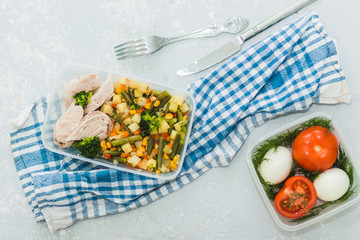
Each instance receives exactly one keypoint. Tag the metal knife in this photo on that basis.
(235, 45)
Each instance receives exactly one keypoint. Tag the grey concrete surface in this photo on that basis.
(38, 37)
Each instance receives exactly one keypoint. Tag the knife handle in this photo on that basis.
(276, 18)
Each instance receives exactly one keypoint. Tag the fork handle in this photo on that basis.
(233, 25)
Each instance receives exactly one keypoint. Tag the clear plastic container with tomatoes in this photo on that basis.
(312, 153)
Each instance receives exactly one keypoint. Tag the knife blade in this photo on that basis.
(234, 46)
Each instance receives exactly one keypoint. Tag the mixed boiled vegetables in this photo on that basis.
(149, 127)
(304, 170)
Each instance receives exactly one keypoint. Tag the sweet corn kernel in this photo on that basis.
(145, 141)
(108, 145)
(172, 165)
(103, 144)
(139, 153)
(113, 149)
(157, 103)
(176, 159)
(148, 91)
(166, 156)
(132, 112)
(185, 117)
(148, 105)
(118, 131)
(104, 149)
(157, 171)
(169, 116)
(118, 90)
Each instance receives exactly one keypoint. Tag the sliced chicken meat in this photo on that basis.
(105, 91)
(66, 124)
(85, 83)
(93, 124)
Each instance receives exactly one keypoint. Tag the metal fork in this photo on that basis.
(151, 44)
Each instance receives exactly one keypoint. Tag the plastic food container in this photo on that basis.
(56, 108)
(283, 222)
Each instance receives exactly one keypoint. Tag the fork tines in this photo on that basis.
(131, 48)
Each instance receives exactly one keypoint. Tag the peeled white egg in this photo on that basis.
(276, 165)
(331, 184)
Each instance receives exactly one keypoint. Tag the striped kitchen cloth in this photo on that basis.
(286, 72)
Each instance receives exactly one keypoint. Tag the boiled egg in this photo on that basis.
(331, 184)
(276, 165)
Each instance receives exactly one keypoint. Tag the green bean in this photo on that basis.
(127, 97)
(166, 109)
(131, 94)
(171, 124)
(162, 95)
(162, 102)
(178, 151)
(150, 145)
(155, 92)
(184, 129)
(175, 145)
(116, 117)
(122, 141)
(160, 153)
(179, 115)
(119, 159)
(112, 153)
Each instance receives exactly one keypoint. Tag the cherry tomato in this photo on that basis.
(315, 149)
(296, 198)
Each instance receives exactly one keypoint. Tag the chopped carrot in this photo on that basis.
(113, 105)
(137, 132)
(142, 164)
(124, 155)
(122, 126)
(113, 149)
(162, 114)
(155, 151)
(124, 134)
(108, 145)
(113, 132)
(107, 156)
(148, 90)
(118, 90)
(140, 110)
(155, 136)
(122, 86)
(148, 105)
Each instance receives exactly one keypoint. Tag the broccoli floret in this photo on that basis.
(89, 147)
(134, 106)
(149, 122)
(83, 98)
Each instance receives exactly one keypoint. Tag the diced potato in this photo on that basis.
(117, 84)
(151, 163)
(137, 93)
(121, 107)
(173, 134)
(164, 169)
(184, 108)
(117, 125)
(141, 101)
(134, 84)
(116, 99)
(142, 87)
(136, 118)
(164, 126)
(177, 126)
(173, 107)
(126, 148)
(127, 121)
(134, 160)
(167, 149)
(134, 127)
(178, 100)
(106, 108)
(154, 131)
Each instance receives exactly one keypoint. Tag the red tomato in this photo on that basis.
(315, 149)
(296, 198)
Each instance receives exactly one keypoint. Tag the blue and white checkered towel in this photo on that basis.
(286, 72)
